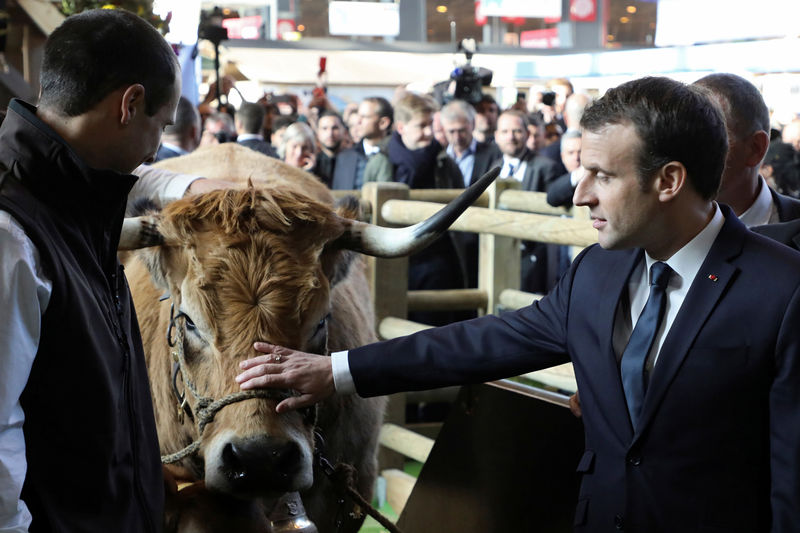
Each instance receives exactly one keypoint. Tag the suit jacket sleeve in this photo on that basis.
(784, 405)
(474, 351)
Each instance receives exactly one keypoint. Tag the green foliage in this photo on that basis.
(143, 8)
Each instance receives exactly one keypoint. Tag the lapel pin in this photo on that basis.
(713, 277)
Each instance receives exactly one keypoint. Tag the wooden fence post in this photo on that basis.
(498, 257)
(388, 279)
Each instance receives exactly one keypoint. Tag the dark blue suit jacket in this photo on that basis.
(347, 165)
(719, 440)
(165, 153)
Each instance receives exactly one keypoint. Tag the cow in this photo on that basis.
(273, 260)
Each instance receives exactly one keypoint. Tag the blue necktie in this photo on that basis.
(634, 357)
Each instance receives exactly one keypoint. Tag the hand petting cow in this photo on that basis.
(271, 261)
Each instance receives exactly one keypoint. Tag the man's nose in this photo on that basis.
(583, 194)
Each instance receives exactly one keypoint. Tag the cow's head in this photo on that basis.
(249, 265)
(242, 266)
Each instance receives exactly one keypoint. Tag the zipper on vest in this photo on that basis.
(118, 279)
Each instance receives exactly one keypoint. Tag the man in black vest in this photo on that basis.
(71, 359)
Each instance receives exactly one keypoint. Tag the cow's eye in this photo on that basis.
(322, 323)
(188, 321)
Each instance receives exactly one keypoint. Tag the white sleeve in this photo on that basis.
(342, 379)
(158, 185)
(24, 295)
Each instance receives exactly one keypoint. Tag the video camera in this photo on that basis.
(469, 80)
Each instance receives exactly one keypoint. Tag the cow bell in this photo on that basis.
(289, 515)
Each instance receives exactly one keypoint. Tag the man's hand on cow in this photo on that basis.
(309, 374)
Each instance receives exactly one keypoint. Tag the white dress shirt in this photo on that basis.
(466, 163)
(763, 211)
(685, 263)
(24, 294)
(513, 167)
(249, 136)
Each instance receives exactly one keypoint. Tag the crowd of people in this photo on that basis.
(432, 144)
(681, 323)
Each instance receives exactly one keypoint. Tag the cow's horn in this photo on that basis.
(379, 241)
(139, 232)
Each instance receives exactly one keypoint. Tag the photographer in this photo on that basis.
(217, 129)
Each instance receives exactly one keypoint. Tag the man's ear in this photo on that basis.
(757, 146)
(399, 127)
(670, 180)
(383, 124)
(132, 100)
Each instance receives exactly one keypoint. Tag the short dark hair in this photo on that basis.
(186, 116)
(742, 105)
(519, 114)
(251, 116)
(384, 108)
(674, 121)
(96, 52)
(329, 113)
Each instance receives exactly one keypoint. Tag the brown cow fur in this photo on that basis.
(253, 265)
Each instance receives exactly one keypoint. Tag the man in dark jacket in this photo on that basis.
(249, 129)
(415, 158)
(71, 359)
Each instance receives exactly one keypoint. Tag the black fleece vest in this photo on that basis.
(91, 445)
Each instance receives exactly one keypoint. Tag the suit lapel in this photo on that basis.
(713, 278)
(528, 181)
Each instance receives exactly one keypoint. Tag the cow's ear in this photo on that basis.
(349, 207)
(336, 264)
(154, 260)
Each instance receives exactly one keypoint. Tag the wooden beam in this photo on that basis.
(44, 14)
(527, 226)
(446, 300)
(399, 486)
(404, 441)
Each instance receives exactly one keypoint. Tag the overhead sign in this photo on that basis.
(686, 22)
(583, 10)
(243, 28)
(547, 38)
(521, 8)
(364, 18)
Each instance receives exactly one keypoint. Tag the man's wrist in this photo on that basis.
(342, 379)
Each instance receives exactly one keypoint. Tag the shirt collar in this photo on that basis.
(174, 147)
(760, 212)
(686, 262)
(469, 151)
(248, 136)
(370, 149)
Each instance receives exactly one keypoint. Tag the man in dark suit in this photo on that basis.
(539, 267)
(375, 118)
(689, 387)
(573, 111)
(183, 136)
(249, 123)
(330, 134)
(535, 172)
(474, 159)
(747, 119)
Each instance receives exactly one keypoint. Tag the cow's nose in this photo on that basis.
(261, 464)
